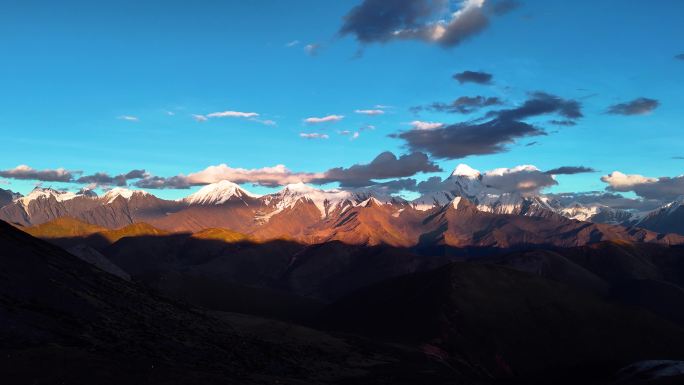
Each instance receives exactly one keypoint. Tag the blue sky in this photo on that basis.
(71, 70)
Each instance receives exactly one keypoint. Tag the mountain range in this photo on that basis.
(362, 216)
(462, 285)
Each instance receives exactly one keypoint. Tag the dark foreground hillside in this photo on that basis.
(63, 321)
(556, 316)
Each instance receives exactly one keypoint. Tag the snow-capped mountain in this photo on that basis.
(326, 201)
(111, 195)
(46, 193)
(466, 182)
(669, 218)
(303, 204)
(598, 214)
(219, 193)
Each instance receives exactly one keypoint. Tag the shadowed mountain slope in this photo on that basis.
(508, 323)
(80, 325)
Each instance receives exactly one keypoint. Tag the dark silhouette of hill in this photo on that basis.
(508, 324)
(63, 320)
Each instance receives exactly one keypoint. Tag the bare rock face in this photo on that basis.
(7, 196)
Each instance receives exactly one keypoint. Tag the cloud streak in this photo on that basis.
(476, 77)
(324, 119)
(313, 135)
(232, 114)
(639, 106)
(370, 112)
(570, 170)
(462, 105)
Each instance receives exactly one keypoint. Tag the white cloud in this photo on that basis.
(624, 182)
(370, 112)
(268, 176)
(200, 118)
(420, 125)
(313, 135)
(292, 43)
(232, 114)
(129, 118)
(325, 119)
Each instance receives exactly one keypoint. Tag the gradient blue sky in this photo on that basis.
(70, 69)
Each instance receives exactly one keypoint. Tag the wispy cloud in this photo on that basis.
(353, 135)
(265, 122)
(312, 49)
(292, 43)
(129, 118)
(324, 119)
(200, 118)
(639, 106)
(313, 135)
(370, 112)
(232, 114)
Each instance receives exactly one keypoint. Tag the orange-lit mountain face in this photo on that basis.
(311, 220)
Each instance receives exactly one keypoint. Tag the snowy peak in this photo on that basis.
(111, 195)
(463, 170)
(46, 193)
(218, 193)
(323, 199)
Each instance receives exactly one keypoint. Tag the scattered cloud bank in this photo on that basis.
(431, 21)
(24, 172)
(100, 179)
(639, 106)
(492, 133)
(384, 166)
